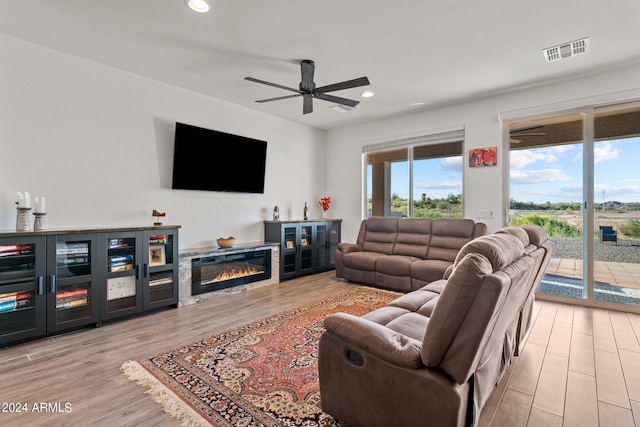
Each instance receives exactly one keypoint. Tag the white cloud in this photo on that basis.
(442, 185)
(537, 176)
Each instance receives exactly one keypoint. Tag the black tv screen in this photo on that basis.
(210, 160)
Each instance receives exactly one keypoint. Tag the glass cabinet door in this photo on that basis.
(71, 297)
(122, 293)
(321, 245)
(306, 247)
(160, 269)
(22, 301)
(289, 249)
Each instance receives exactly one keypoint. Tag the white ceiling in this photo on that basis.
(437, 52)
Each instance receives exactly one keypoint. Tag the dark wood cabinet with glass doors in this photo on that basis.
(306, 247)
(59, 280)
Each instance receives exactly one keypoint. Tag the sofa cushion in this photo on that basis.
(499, 249)
(414, 235)
(448, 236)
(380, 234)
(395, 265)
(362, 260)
(429, 270)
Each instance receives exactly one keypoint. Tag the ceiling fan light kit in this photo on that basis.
(308, 90)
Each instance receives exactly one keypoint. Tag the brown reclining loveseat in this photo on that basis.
(404, 254)
(433, 356)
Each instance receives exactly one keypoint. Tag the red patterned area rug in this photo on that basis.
(264, 373)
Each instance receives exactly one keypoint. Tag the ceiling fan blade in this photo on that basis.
(531, 134)
(251, 79)
(361, 81)
(337, 99)
(307, 69)
(307, 104)
(279, 98)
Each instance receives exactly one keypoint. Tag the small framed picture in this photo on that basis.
(289, 244)
(157, 255)
(303, 242)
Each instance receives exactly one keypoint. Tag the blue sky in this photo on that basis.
(552, 174)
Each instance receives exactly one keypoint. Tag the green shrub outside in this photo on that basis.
(552, 226)
(631, 228)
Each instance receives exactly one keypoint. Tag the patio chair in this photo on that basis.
(608, 234)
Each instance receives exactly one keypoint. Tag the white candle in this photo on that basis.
(27, 200)
(20, 199)
(39, 206)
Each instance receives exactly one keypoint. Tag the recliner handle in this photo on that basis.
(354, 357)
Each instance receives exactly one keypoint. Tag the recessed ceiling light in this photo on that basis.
(367, 94)
(200, 6)
(417, 103)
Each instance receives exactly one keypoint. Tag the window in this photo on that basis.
(416, 177)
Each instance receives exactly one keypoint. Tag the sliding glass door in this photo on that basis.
(577, 176)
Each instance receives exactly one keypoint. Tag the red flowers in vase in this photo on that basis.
(325, 203)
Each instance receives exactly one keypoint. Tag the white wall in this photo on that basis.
(483, 189)
(98, 143)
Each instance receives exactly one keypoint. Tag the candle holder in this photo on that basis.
(23, 221)
(38, 222)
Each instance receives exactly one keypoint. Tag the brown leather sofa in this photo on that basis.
(404, 254)
(433, 356)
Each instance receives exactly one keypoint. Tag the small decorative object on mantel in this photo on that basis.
(39, 211)
(23, 221)
(325, 204)
(226, 242)
(158, 215)
(276, 213)
(305, 215)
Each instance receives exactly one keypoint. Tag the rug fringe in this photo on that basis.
(171, 403)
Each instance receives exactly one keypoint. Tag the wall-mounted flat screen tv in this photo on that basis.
(210, 160)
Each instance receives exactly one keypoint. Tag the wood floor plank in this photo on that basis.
(527, 372)
(610, 379)
(583, 320)
(581, 402)
(614, 416)
(581, 357)
(513, 410)
(603, 336)
(550, 392)
(630, 361)
(540, 418)
(560, 339)
(623, 331)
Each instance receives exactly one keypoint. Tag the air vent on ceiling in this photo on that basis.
(566, 50)
(341, 108)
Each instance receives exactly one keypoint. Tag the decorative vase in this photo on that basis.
(324, 214)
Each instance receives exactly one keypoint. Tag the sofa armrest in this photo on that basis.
(375, 339)
(349, 247)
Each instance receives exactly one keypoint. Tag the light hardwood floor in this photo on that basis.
(580, 366)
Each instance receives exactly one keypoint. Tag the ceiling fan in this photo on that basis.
(517, 132)
(308, 90)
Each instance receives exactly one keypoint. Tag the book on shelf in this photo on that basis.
(12, 250)
(122, 267)
(80, 248)
(11, 296)
(72, 260)
(73, 293)
(159, 240)
(8, 306)
(120, 259)
(71, 304)
(118, 243)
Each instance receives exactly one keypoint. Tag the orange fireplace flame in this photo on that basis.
(234, 273)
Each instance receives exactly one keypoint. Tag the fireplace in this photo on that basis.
(225, 271)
